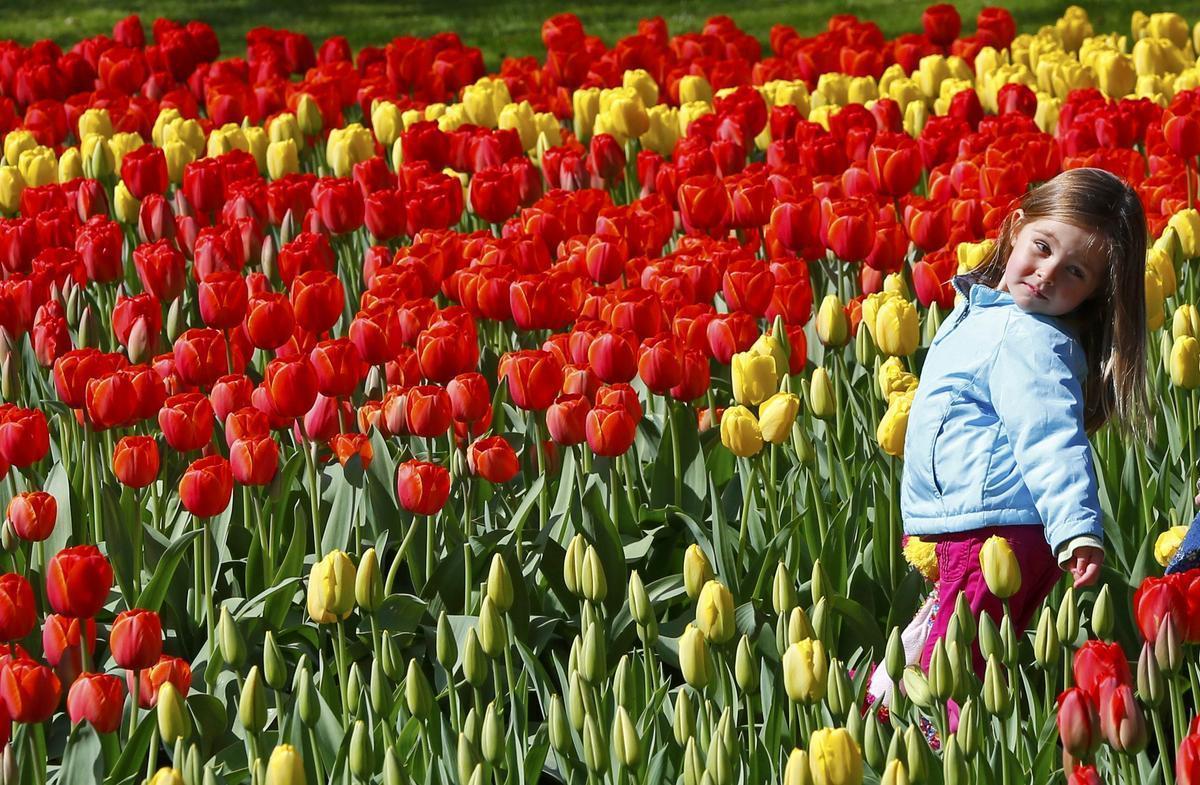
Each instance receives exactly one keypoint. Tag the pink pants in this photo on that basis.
(959, 572)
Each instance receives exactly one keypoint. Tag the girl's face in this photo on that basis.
(1053, 267)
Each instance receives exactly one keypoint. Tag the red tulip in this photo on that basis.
(730, 333)
(1154, 601)
(269, 320)
(469, 396)
(135, 461)
(291, 385)
(32, 515)
(927, 223)
(1187, 760)
(610, 430)
(1181, 129)
(566, 419)
(317, 300)
(613, 356)
(427, 411)
(384, 214)
(377, 334)
(246, 423)
(1078, 723)
(1097, 661)
(704, 204)
(223, 299)
(1084, 775)
(78, 580)
(98, 698)
(200, 356)
(339, 201)
(942, 23)
(347, 445)
(307, 252)
(848, 228)
(534, 378)
(894, 163)
(186, 421)
(444, 351)
(110, 401)
(100, 244)
(18, 611)
(660, 363)
(144, 171)
(156, 221)
(204, 184)
(161, 269)
(422, 488)
(24, 437)
(694, 376)
(72, 372)
(229, 394)
(1121, 719)
(206, 486)
(129, 311)
(493, 459)
(338, 367)
(136, 639)
(61, 642)
(51, 336)
(493, 194)
(175, 670)
(254, 460)
(30, 691)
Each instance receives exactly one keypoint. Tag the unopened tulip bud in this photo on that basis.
(684, 723)
(368, 583)
(417, 693)
(964, 620)
(783, 590)
(447, 648)
(954, 766)
(1000, 568)
(467, 758)
(499, 584)
(933, 321)
(1008, 636)
(819, 585)
(252, 707)
(989, 637)
(894, 657)
(745, 668)
(176, 319)
(10, 378)
(1046, 645)
(839, 694)
(799, 626)
(492, 636)
(172, 715)
(714, 612)
(797, 771)
(696, 571)
(996, 698)
(694, 658)
(88, 333)
(821, 618)
(894, 773)
(833, 328)
(573, 564)
(622, 682)
(362, 756)
(492, 742)
(822, 400)
(969, 732)
(916, 686)
(640, 608)
(393, 769)
(626, 745)
(559, 731)
(1102, 615)
(1067, 620)
(1150, 682)
(380, 690)
(593, 659)
(805, 453)
(474, 665)
(592, 581)
(1122, 720)
(1168, 648)
(865, 352)
(595, 750)
(576, 701)
(917, 753)
(873, 741)
(805, 671)
(306, 697)
(354, 689)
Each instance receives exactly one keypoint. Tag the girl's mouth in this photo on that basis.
(1036, 292)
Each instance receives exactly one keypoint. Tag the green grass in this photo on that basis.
(511, 28)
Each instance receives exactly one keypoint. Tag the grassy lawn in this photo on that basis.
(510, 28)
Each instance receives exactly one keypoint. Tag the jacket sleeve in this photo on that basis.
(1037, 393)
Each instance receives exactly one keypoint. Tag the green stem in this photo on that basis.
(341, 673)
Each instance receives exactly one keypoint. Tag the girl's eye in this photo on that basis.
(1041, 246)
(1077, 272)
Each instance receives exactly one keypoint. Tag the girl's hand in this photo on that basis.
(1085, 565)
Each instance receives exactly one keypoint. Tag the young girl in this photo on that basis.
(1047, 344)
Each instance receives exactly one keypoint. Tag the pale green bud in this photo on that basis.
(493, 734)
(417, 692)
(252, 706)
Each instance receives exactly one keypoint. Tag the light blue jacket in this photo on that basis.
(995, 435)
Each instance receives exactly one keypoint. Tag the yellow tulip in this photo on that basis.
(39, 166)
(971, 255)
(386, 122)
(547, 125)
(1154, 300)
(894, 425)
(1170, 26)
(17, 142)
(94, 121)
(11, 186)
(347, 147)
(904, 91)
(166, 776)
(484, 100)
(797, 771)
(121, 144)
(1186, 224)
(70, 165)
(286, 766)
(225, 139)
(1001, 571)
(755, 377)
(643, 83)
(932, 70)
(586, 105)
(190, 132)
(894, 379)
(822, 400)
(691, 111)
(740, 432)
(694, 88)
(1168, 543)
(834, 88)
(805, 671)
(308, 115)
(125, 204)
(331, 588)
(1046, 115)
(282, 159)
(897, 329)
(283, 127)
(694, 658)
(1114, 73)
(663, 130)
(256, 140)
(834, 757)
(794, 93)
(1162, 264)
(452, 118)
(628, 116)
(833, 328)
(165, 117)
(178, 156)
(519, 117)
(776, 415)
(870, 308)
(916, 115)
(696, 571)
(97, 154)
(1185, 362)
(714, 612)
(861, 90)
(1185, 321)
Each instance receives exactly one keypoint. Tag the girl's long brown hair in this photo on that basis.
(1111, 324)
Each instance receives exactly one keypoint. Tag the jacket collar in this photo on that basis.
(978, 294)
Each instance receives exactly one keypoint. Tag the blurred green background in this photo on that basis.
(512, 28)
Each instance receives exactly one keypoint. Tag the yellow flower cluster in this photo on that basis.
(756, 377)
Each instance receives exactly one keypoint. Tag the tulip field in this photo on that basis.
(370, 417)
